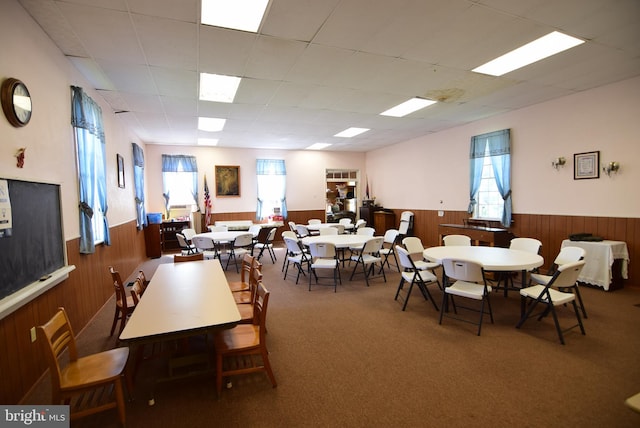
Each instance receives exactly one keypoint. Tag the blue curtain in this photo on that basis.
(138, 178)
(497, 145)
(179, 163)
(86, 119)
(271, 168)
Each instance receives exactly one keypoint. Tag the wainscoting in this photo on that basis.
(551, 230)
(89, 285)
(88, 288)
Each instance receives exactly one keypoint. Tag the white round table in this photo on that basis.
(491, 258)
(340, 241)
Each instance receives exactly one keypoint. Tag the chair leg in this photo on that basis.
(557, 323)
(426, 294)
(120, 400)
(115, 321)
(218, 374)
(402, 281)
(267, 367)
(406, 299)
(579, 297)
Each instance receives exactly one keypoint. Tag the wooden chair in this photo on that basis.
(246, 309)
(179, 258)
(124, 304)
(255, 274)
(245, 273)
(78, 384)
(243, 348)
(137, 289)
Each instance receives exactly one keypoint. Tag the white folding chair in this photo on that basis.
(412, 275)
(549, 295)
(324, 256)
(465, 278)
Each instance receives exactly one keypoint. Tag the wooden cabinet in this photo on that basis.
(168, 230)
(479, 235)
(383, 221)
(152, 240)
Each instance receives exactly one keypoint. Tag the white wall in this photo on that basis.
(306, 188)
(422, 172)
(29, 55)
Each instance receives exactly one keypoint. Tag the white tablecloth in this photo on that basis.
(599, 258)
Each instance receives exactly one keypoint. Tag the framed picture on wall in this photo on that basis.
(586, 165)
(227, 180)
(120, 162)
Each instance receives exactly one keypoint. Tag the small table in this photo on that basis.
(599, 261)
(491, 258)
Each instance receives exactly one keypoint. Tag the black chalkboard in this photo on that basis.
(34, 246)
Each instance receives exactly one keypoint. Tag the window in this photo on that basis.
(272, 180)
(489, 202)
(490, 176)
(86, 119)
(180, 181)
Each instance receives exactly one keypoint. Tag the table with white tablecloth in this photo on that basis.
(599, 261)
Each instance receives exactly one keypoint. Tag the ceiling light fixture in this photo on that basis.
(408, 107)
(218, 87)
(210, 124)
(541, 48)
(318, 146)
(208, 141)
(351, 132)
(244, 15)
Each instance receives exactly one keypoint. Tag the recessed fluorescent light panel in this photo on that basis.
(207, 141)
(351, 132)
(408, 107)
(218, 87)
(541, 48)
(244, 15)
(318, 146)
(210, 124)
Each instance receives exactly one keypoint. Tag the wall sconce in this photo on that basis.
(558, 162)
(612, 167)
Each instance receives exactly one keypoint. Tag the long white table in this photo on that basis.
(182, 299)
(495, 259)
(599, 259)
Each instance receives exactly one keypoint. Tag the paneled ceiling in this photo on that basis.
(317, 67)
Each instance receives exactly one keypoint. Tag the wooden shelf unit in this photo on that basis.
(168, 230)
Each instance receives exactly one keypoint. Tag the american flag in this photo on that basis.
(207, 203)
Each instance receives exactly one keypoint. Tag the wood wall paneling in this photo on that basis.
(86, 290)
(89, 286)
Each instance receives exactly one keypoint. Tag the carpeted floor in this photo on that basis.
(354, 359)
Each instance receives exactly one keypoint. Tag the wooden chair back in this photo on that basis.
(137, 289)
(179, 258)
(82, 377)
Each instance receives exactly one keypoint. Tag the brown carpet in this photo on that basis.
(354, 359)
